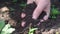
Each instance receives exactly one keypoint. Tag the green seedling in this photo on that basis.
(2, 24)
(54, 12)
(31, 30)
(7, 29)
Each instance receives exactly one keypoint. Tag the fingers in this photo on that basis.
(45, 17)
(38, 23)
(41, 20)
(38, 10)
(23, 23)
(23, 15)
(47, 10)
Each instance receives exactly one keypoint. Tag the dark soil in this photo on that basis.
(43, 27)
(15, 15)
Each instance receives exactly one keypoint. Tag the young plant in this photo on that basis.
(7, 29)
(54, 12)
(31, 30)
(2, 24)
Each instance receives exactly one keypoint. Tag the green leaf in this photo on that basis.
(53, 17)
(2, 23)
(54, 12)
(6, 27)
(3, 32)
(31, 31)
(10, 30)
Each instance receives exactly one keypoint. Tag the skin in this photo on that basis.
(45, 6)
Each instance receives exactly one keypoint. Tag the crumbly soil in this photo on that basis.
(51, 26)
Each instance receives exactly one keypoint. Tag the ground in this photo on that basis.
(49, 27)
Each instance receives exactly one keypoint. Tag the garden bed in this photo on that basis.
(49, 27)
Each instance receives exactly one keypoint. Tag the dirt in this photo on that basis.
(50, 26)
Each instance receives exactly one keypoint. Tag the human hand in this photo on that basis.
(23, 15)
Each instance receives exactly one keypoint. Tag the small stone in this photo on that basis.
(3, 9)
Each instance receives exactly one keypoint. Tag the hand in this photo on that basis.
(23, 23)
(42, 20)
(23, 15)
(45, 17)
